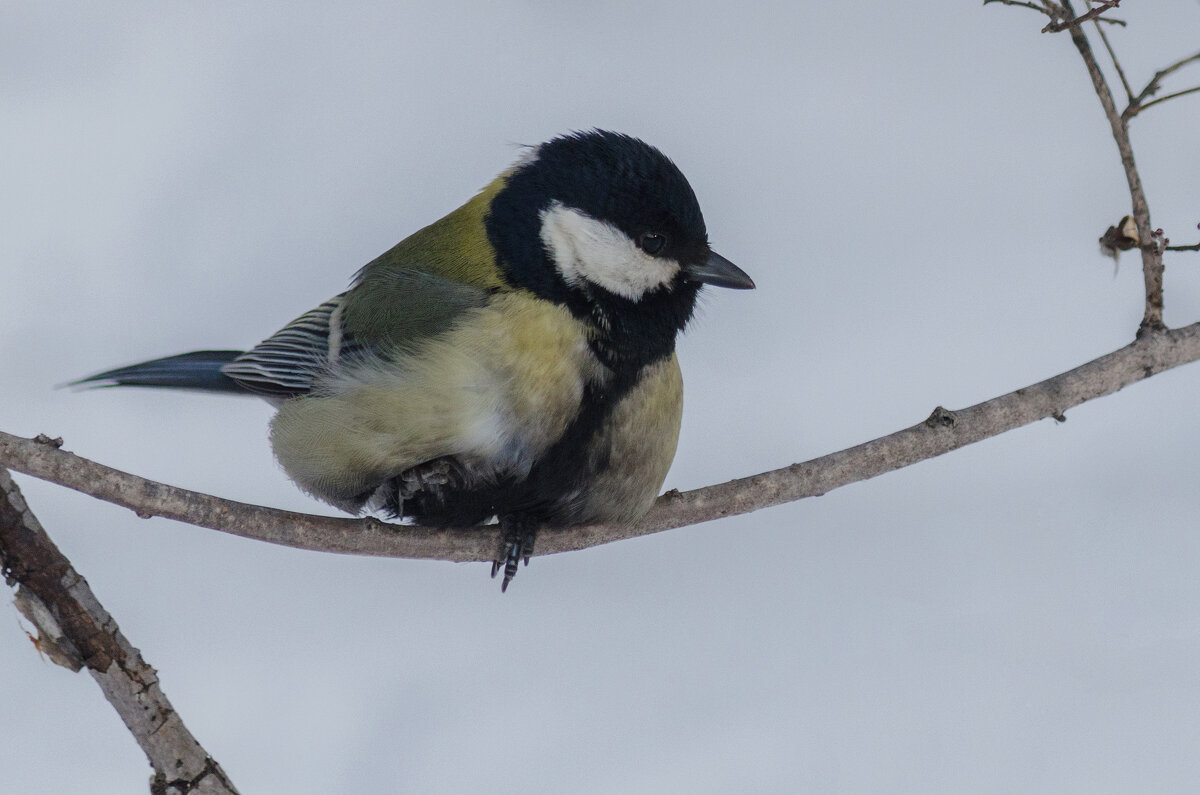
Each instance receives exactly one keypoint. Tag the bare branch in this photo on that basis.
(1193, 247)
(1138, 104)
(75, 631)
(942, 432)
(1116, 63)
(1152, 103)
(1152, 267)
(1073, 22)
(1039, 8)
(1063, 18)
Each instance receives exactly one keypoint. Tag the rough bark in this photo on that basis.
(75, 631)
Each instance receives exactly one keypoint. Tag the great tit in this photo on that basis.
(514, 360)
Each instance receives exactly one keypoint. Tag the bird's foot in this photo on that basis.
(517, 545)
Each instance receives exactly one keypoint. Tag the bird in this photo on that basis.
(512, 362)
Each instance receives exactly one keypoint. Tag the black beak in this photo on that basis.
(719, 272)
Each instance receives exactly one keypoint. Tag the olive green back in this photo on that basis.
(416, 289)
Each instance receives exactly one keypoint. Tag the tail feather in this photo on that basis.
(196, 370)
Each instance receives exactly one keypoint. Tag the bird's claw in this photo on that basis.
(518, 546)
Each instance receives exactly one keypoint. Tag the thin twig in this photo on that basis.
(75, 631)
(1152, 103)
(1039, 8)
(942, 432)
(1193, 247)
(1116, 63)
(1073, 22)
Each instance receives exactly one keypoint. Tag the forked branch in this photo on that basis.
(1069, 20)
(1138, 103)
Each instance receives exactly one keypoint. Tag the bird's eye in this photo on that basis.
(652, 243)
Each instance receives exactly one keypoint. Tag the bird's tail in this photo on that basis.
(200, 370)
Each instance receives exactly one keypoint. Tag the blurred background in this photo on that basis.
(916, 189)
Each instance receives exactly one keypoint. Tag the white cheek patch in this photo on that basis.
(587, 250)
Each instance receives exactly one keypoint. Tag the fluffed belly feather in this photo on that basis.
(493, 393)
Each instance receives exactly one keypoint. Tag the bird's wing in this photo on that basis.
(381, 316)
(412, 291)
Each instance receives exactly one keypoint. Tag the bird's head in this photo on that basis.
(608, 226)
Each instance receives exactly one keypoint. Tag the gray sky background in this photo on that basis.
(916, 188)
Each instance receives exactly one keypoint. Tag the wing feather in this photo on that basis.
(382, 316)
(285, 364)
